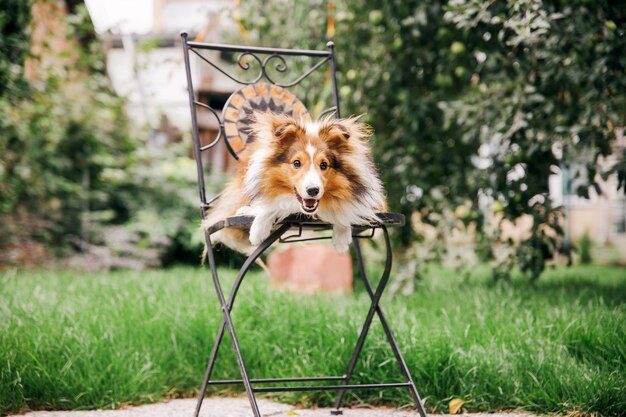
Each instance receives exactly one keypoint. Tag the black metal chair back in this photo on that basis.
(265, 78)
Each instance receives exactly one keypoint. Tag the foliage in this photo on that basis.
(14, 19)
(477, 102)
(584, 248)
(56, 141)
(549, 93)
(71, 173)
(474, 105)
(102, 340)
(159, 193)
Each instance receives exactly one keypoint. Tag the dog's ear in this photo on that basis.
(271, 127)
(342, 130)
(284, 128)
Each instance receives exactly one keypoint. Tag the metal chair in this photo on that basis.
(263, 91)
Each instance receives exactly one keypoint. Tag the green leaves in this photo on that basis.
(475, 104)
(14, 19)
(471, 99)
(57, 137)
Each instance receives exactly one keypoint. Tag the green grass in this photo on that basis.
(78, 341)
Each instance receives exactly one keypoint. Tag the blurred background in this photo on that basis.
(499, 134)
(499, 126)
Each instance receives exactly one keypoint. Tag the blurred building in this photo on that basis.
(601, 216)
(145, 64)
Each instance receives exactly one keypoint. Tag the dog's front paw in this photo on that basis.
(342, 237)
(259, 231)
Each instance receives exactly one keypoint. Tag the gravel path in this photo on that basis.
(238, 407)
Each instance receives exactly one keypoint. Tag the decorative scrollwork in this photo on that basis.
(281, 66)
(245, 65)
(245, 59)
(217, 117)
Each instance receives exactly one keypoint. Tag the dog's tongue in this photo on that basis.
(309, 202)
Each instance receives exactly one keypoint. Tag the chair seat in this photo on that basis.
(307, 222)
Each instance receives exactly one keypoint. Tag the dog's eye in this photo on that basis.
(297, 164)
(323, 166)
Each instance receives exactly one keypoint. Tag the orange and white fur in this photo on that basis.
(321, 169)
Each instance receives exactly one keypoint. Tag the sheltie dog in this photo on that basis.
(321, 169)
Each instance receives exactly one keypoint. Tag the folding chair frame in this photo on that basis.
(299, 222)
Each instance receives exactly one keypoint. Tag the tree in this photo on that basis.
(550, 91)
(474, 101)
(61, 132)
(72, 176)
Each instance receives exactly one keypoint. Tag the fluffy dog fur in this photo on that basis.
(284, 162)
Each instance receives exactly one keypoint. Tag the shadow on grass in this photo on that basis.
(610, 290)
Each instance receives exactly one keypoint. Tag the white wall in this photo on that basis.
(160, 75)
(155, 82)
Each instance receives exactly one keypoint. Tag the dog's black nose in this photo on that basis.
(313, 191)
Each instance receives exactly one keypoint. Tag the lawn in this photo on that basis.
(76, 341)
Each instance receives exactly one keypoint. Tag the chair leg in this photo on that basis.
(390, 337)
(375, 308)
(227, 322)
(366, 325)
(209, 368)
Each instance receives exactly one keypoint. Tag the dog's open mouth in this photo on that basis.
(309, 205)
